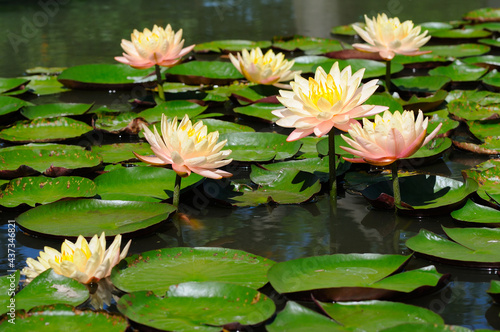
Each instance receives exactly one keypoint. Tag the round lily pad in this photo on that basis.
(11, 104)
(45, 130)
(172, 108)
(205, 72)
(54, 110)
(475, 213)
(233, 45)
(349, 277)
(50, 159)
(114, 153)
(459, 71)
(457, 51)
(157, 270)
(43, 190)
(52, 318)
(197, 306)
(105, 76)
(473, 247)
(88, 217)
(318, 166)
(259, 146)
(259, 110)
(461, 33)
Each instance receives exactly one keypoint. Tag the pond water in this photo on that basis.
(71, 32)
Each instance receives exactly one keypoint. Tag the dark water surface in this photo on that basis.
(71, 32)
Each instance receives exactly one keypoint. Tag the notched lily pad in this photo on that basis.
(225, 127)
(468, 106)
(231, 45)
(54, 110)
(441, 116)
(473, 247)
(88, 217)
(157, 270)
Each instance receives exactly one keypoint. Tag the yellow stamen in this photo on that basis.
(329, 90)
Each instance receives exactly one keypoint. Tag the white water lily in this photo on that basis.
(83, 261)
(325, 101)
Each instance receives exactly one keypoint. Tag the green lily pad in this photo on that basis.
(429, 327)
(494, 290)
(42, 85)
(457, 51)
(172, 108)
(432, 27)
(468, 109)
(259, 110)
(490, 42)
(11, 104)
(9, 84)
(491, 60)
(484, 129)
(424, 104)
(51, 318)
(205, 72)
(309, 147)
(225, 127)
(248, 146)
(232, 45)
(492, 79)
(378, 315)
(43, 190)
(436, 195)
(384, 99)
(306, 63)
(222, 93)
(88, 217)
(297, 318)
(461, 33)
(318, 166)
(118, 122)
(46, 71)
(322, 146)
(487, 176)
(435, 148)
(346, 30)
(50, 159)
(483, 15)
(459, 71)
(320, 45)
(114, 153)
(420, 61)
(142, 183)
(441, 116)
(473, 247)
(255, 93)
(54, 110)
(176, 87)
(475, 213)
(197, 306)
(372, 68)
(105, 76)
(51, 288)
(44, 130)
(157, 270)
(427, 84)
(348, 277)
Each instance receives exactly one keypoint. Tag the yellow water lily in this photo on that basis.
(262, 68)
(389, 138)
(162, 47)
(325, 101)
(83, 261)
(188, 148)
(388, 36)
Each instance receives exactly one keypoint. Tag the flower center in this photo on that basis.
(197, 134)
(327, 90)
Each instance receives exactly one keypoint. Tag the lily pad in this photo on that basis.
(259, 146)
(118, 122)
(473, 247)
(306, 63)
(461, 33)
(205, 72)
(459, 71)
(436, 195)
(42, 85)
(50, 159)
(51, 288)
(492, 79)
(427, 60)
(372, 68)
(346, 30)
(222, 93)
(172, 108)
(9, 84)
(457, 51)
(350, 277)
(197, 306)
(259, 110)
(424, 104)
(494, 290)
(319, 45)
(105, 76)
(432, 150)
(114, 153)
(54, 110)
(318, 166)
(88, 217)
(426, 84)
(441, 116)
(487, 176)
(157, 270)
(490, 60)
(429, 327)
(378, 315)
(384, 99)
(483, 15)
(51, 318)
(484, 129)
(478, 214)
(142, 183)
(467, 109)
(11, 104)
(432, 27)
(44, 130)
(232, 45)
(225, 127)
(43, 190)
(257, 93)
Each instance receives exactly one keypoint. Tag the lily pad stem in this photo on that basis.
(395, 185)
(388, 75)
(159, 82)
(177, 190)
(331, 165)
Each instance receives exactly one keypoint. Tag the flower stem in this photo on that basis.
(177, 190)
(395, 185)
(388, 76)
(332, 165)
(159, 82)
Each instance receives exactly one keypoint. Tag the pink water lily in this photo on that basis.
(388, 36)
(389, 138)
(162, 47)
(325, 101)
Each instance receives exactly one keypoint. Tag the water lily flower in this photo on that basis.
(389, 138)
(388, 36)
(162, 47)
(188, 148)
(83, 261)
(329, 100)
(263, 69)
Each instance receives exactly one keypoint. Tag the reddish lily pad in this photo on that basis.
(232, 45)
